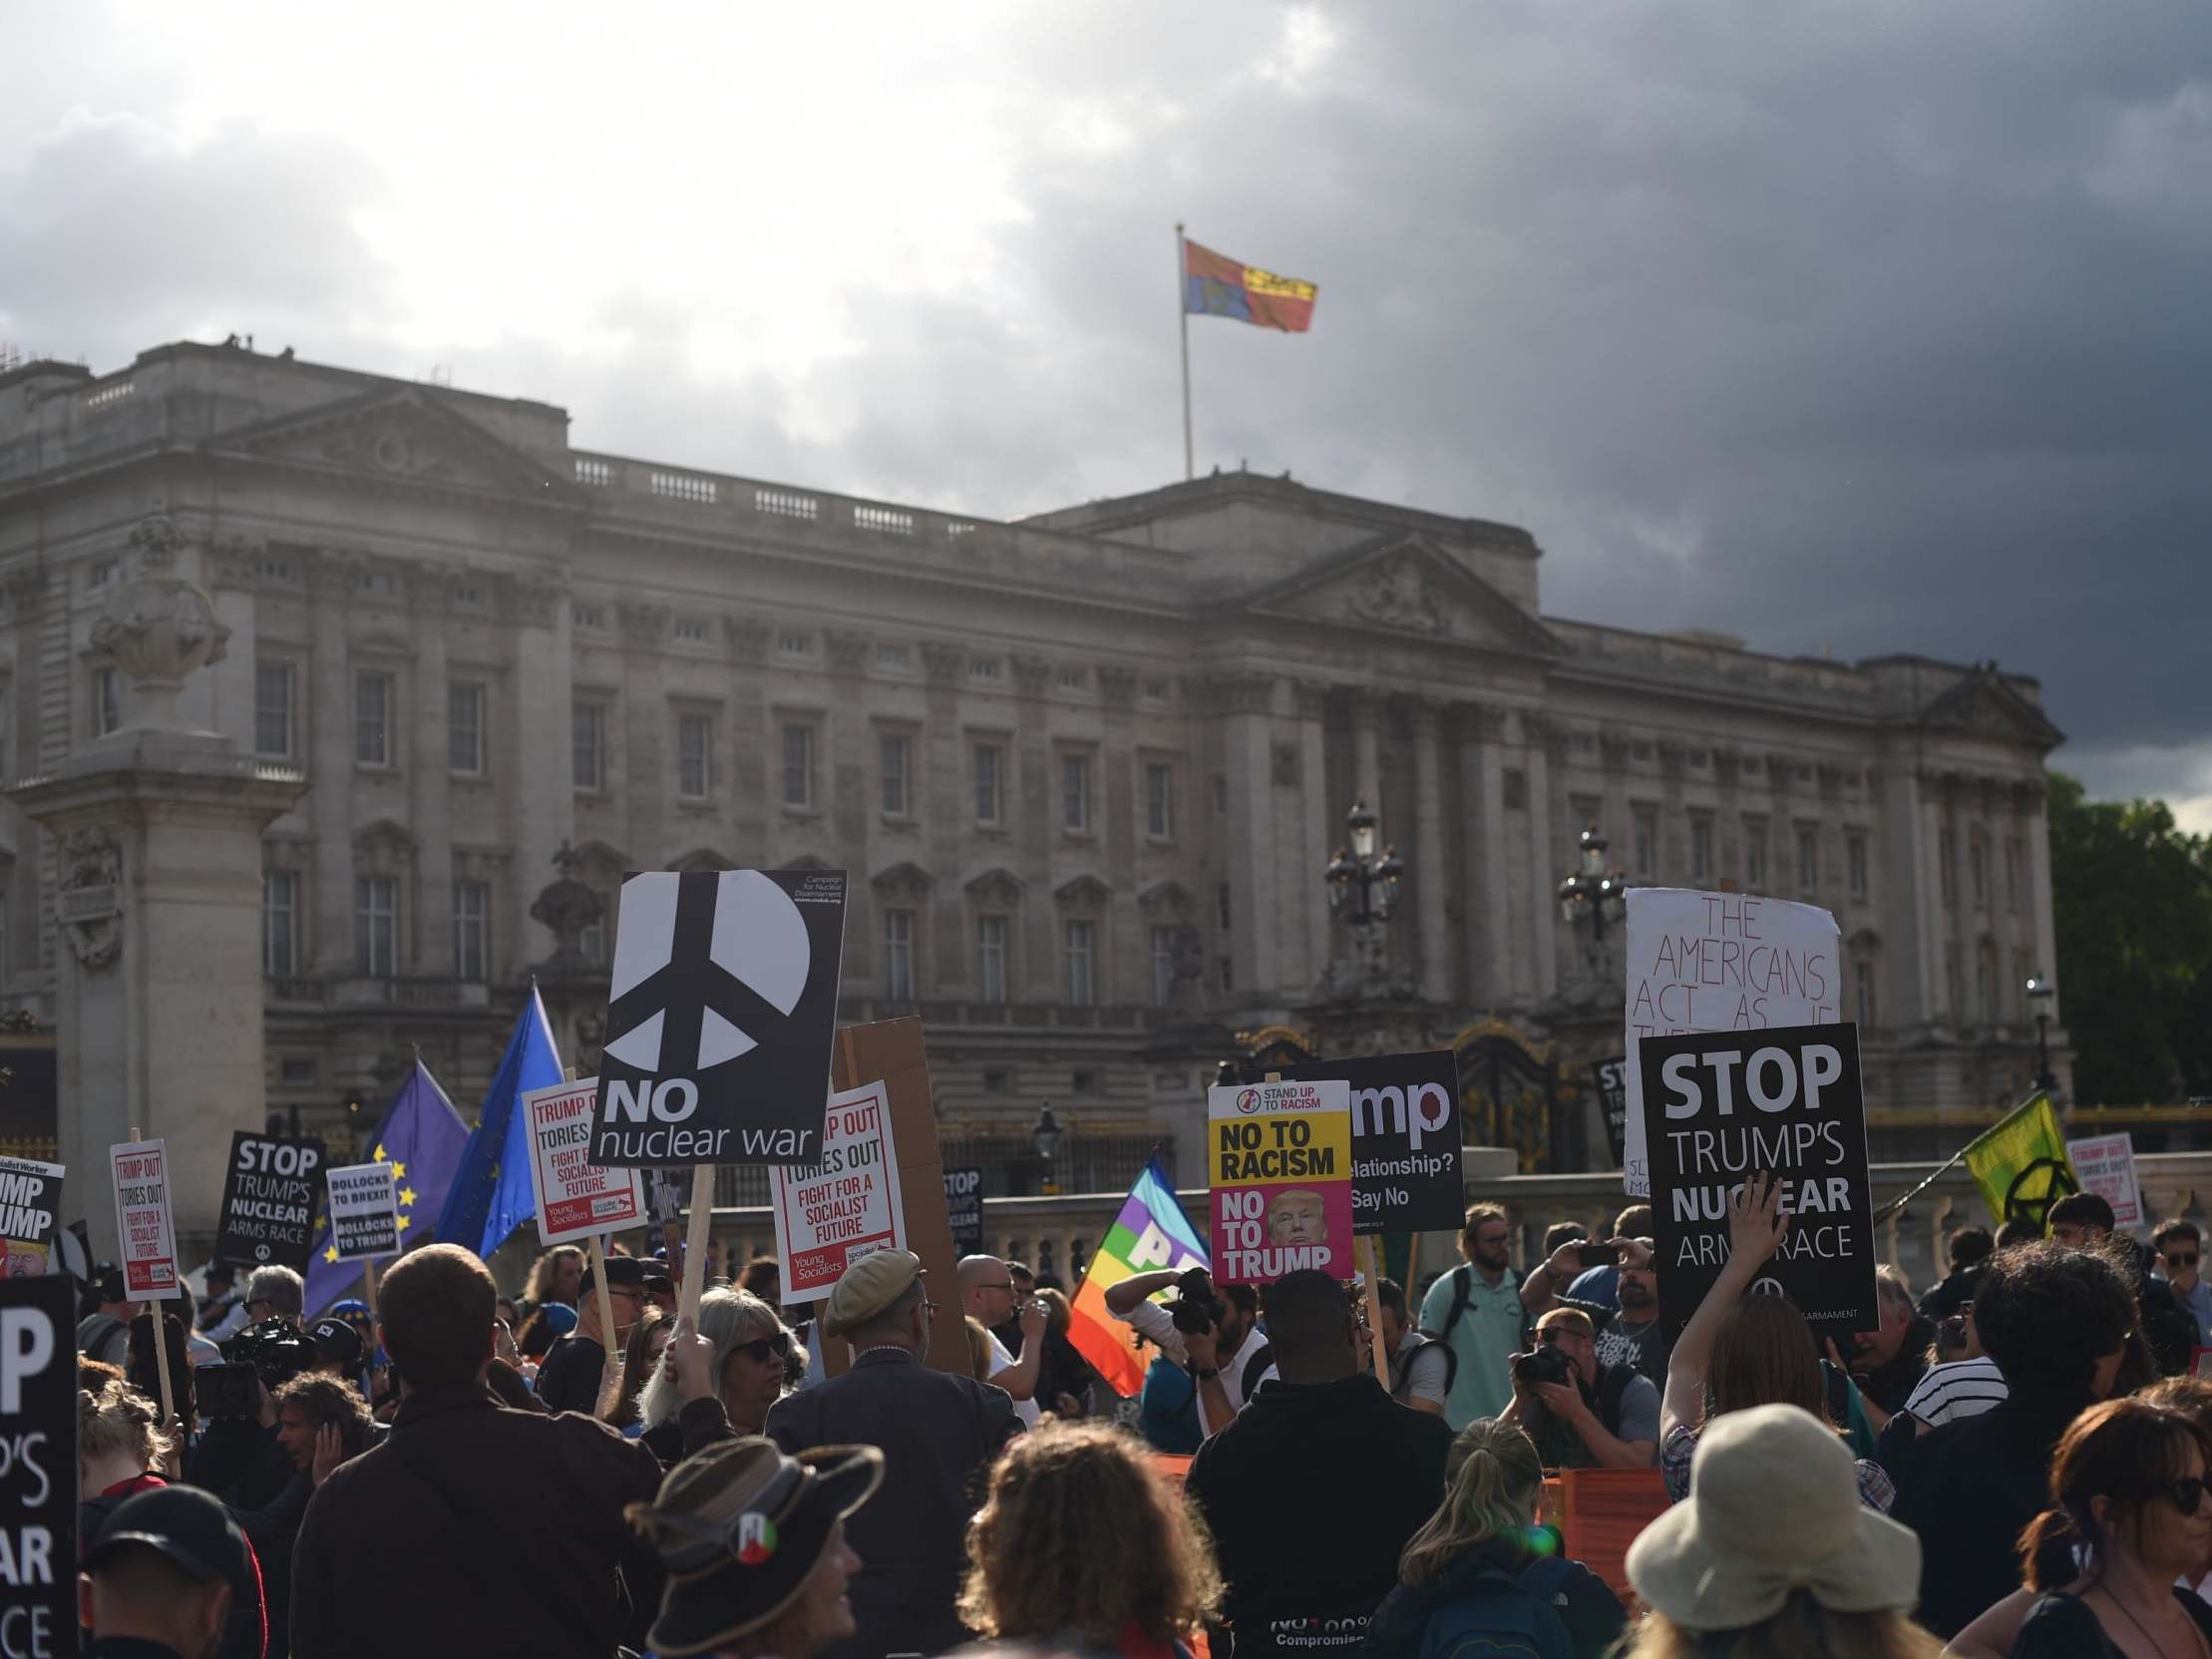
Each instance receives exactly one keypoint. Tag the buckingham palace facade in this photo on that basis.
(1086, 768)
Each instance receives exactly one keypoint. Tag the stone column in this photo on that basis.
(848, 762)
(2036, 832)
(329, 692)
(944, 807)
(540, 801)
(753, 783)
(158, 831)
(649, 737)
(428, 780)
(1431, 879)
(1543, 883)
(1482, 751)
(1320, 823)
(1366, 716)
(1032, 803)
(1244, 701)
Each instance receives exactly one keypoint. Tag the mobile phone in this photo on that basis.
(1599, 1255)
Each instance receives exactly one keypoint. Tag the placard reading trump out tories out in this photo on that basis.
(1726, 1105)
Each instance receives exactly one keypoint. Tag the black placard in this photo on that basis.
(38, 1475)
(719, 1018)
(964, 1207)
(1613, 1094)
(30, 1202)
(1405, 1139)
(268, 1202)
(1723, 1105)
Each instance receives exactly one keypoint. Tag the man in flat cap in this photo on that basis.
(937, 1432)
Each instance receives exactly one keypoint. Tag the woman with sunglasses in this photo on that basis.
(2128, 1517)
(755, 1362)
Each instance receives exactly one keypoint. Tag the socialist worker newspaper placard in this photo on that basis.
(30, 1202)
(575, 1197)
(1725, 1105)
(1282, 1178)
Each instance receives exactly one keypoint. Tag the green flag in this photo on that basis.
(2020, 1163)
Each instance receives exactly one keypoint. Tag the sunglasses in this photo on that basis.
(758, 1352)
(2189, 1260)
(2187, 1493)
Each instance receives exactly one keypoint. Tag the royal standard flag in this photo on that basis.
(2020, 1163)
(1216, 286)
(1150, 1233)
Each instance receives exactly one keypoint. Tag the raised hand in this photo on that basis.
(1755, 1220)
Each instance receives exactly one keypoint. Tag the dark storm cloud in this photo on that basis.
(1867, 328)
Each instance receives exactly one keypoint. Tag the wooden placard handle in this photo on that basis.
(695, 1244)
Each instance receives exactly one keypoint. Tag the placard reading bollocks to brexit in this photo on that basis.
(1281, 1167)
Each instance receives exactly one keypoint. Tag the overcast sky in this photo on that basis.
(1871, 327)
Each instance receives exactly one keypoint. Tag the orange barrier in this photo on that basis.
(1601, 1512)
(1172, 1464)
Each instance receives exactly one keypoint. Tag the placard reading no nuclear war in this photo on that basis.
(720, 1011)
(1787, 1103)
(1281, 1168)
(1718, 961)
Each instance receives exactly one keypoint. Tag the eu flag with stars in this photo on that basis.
(421, 1138)
(493, 1194)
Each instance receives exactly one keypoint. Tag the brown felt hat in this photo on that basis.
(870, 1285)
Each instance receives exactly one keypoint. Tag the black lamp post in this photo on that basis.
(1365, 887)
(2039, 992)
(1593, 893)
(1044, 1140)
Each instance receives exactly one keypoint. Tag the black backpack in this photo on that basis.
(1463, 1291)
(1401, 1366)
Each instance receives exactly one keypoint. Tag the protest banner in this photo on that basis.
(1785, 1101)
(1718, 961)
(30, 1202)
(364, 1212)
(890, 1052)
(1281, 1170)
(720, 1011)
(964, 1208)
(144, 1220)
(38, 1467)
(1613, 1098)
(268, 1202)
(1405, 1138)
(2105, 1166)
(575, 1197)
(831, 1214)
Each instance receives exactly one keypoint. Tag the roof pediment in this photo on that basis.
(400, 437)
(1084, 889)
(1984, 704)
(1405, 586)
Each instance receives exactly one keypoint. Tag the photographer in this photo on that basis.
(1582, 1414)
(239, 1457)
(1212, 1335)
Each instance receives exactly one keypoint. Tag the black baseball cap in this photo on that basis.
(630, 1274)
(335, 1339)
(189, 1528)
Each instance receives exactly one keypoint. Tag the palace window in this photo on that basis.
(274, 718)
(376, 926)
(372, 720)
(472, 907)
(899, 955)
(465, 729)
(279, 923)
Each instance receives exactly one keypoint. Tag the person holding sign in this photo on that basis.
(568, 1380)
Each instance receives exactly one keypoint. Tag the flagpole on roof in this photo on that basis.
(1183, 321)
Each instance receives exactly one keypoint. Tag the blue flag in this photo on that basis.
(421, 1138)
(492, 1192)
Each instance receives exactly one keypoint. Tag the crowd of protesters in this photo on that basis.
(2010, 1465)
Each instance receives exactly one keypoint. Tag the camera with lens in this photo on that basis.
(272, 1353)
(1196, 1310)
(1542, 1364)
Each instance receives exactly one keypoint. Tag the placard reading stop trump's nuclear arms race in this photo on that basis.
(1280, 1174)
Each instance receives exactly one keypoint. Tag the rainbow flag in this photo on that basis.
(1150, 1233)
(1216, 286)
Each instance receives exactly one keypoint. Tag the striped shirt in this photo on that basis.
(1961, 1388)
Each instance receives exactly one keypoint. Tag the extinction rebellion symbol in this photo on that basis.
(719, 1017)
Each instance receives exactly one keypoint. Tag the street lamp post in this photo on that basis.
(2039, 992)
(1364, 888)
(1044, 1140)
(1594, 893)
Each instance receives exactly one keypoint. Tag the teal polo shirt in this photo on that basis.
(1486, 1338)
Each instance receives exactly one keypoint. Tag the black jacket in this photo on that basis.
(568, 1378)
(938, 1433)
(1955, 1289)
(1591, 1612)
(1890, 1386)
(476, 1529)
(1273, 1486)
(1970, 1488)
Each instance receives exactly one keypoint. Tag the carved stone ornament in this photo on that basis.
(566, 907)
(157, 627)
(1398, 596)
(89, 897)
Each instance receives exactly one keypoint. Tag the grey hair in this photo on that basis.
(280, 1287)
(726, 1319)
(1893, 1290)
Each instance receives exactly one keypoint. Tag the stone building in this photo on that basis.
(1086, 768)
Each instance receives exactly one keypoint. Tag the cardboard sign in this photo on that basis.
(719, 1018)
(38, 1474)
(364, 1211)
(1613, 1098)
(575, 1197)
(665, 1196)
(1725, 1104)
(2106, 1167)
(144, 1219)
(1405, 1139)
(830, 1215)
(964, 1208)
(30, 1201)
(268, 1202)
(1281, 1166)
(1718, 962)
